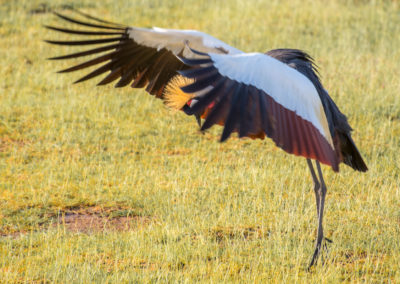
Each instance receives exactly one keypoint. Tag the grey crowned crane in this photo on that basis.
(276, 94)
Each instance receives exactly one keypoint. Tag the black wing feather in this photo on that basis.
(128, 61)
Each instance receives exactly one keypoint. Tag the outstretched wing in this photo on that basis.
(136, 56)
(338, 125)
(256, 95)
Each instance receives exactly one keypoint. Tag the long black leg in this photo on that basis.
(320, 193)
(315, 182)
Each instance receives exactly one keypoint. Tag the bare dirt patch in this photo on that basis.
(95, 219)
(91, 223)
(7, 142)
(92, 219)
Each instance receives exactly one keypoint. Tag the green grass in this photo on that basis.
(241, 211)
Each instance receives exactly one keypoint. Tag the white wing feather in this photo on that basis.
(284, 84)
(176, 41)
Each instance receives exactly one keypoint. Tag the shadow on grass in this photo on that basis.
(221, 234)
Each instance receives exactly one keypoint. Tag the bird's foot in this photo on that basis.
(317, 251)
(325, 243)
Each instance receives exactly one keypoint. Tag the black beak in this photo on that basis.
(186, 109)
(198, 119)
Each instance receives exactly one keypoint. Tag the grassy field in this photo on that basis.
(172, 205)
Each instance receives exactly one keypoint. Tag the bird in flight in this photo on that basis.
(277, 94)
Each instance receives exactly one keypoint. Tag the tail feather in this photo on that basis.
(349, 152)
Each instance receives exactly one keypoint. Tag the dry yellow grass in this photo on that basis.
(241, 211)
